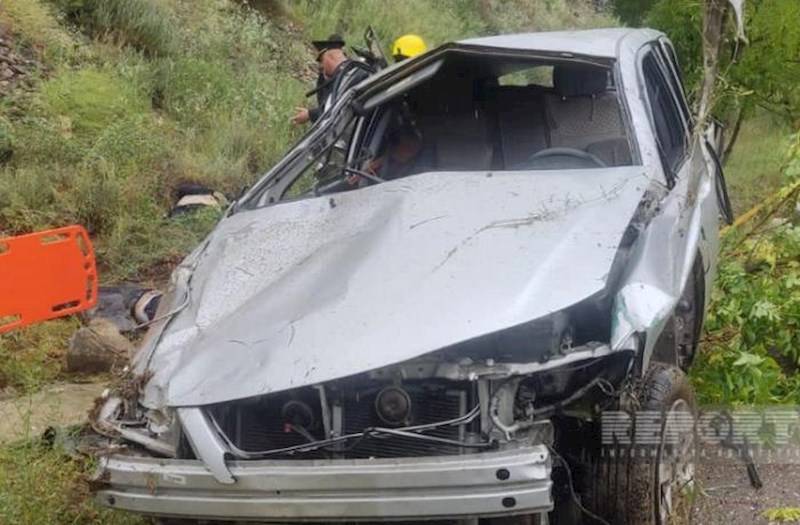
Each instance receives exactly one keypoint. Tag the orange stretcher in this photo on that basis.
(45, 275)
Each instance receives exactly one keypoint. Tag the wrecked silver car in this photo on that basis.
(422, 311)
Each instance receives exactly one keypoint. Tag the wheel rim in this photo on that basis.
(675, 462)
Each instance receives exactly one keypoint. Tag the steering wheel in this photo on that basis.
(562, 158)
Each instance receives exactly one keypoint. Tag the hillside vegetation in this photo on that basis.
(126, 99)
(122, 100)
(136, 96)
(117, 102)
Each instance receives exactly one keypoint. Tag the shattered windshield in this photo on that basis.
(467, 112)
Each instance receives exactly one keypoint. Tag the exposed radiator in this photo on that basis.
(428, 406)
(260, 425)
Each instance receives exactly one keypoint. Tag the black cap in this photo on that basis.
(333, 42)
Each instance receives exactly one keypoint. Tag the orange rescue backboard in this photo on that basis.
(45, 275)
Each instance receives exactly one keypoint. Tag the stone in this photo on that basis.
(98, 347)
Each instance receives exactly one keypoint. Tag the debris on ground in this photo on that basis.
(98, 347)
(127, 306)
(190, 197)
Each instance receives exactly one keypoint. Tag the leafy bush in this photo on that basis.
(768, 70)
(682, 21)
(766, 74)
(751, 351)
(783, 515)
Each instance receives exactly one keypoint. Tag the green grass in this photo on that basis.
(134, 97)
(33, 357)
(88, 101)
(440, 22)
(41, 485)
(436, 22)
(35, 26)
(143, 24)
(754, 168)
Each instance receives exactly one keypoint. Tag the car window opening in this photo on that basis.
(480, 113)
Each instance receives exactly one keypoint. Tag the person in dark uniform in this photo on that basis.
(336, 74)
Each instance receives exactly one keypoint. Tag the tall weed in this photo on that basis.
(88, 100)
(143, 24)
(503, 16)
(436, 22)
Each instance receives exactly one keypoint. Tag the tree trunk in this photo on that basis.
(714, 14)
(726, 153)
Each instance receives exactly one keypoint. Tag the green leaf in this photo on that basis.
(748, 359)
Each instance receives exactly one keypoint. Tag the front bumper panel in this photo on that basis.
(493, 483)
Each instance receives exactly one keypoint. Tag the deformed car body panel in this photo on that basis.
(319, 289)
(663, 256)
(415, 488)
(495, 298)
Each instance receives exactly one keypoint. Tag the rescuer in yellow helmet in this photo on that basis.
(408, 46)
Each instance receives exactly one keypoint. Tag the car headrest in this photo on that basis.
(579, 80)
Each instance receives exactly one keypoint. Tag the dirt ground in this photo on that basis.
(728, 498)
(57, 405)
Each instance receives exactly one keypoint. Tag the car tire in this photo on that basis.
(650, 483)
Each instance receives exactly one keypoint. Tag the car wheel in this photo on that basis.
(649, 481)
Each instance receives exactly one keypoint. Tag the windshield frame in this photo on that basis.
(270, 189)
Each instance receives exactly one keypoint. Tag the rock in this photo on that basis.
(98, 347)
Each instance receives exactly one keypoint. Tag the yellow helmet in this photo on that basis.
(408, 46)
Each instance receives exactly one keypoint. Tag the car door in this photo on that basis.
(687, 224)
(705, 164)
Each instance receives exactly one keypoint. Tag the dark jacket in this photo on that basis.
(347, 74)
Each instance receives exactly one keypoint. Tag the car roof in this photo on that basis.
(607, 43)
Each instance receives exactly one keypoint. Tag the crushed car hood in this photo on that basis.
(313, 290)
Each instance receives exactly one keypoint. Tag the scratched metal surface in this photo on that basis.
(313, 290)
